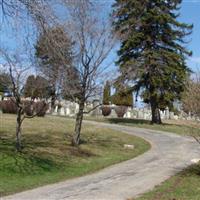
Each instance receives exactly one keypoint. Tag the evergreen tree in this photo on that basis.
(5, 83)
(106, 94)
(29, 88)
(152, 52)
(36, 87)
(123, 97)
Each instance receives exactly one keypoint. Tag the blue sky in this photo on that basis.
(190, 13)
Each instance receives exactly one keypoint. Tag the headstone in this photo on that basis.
(76, 105)
(128, 113)
(167, 113)
(113, 113)
(171, 115)
(67, 111)
(176, 117)
(62, 111)
(97, 111)
(141, 114)
(55, 111)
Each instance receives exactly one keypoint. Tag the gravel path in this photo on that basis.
(169, 154)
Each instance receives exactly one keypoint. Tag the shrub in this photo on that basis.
(123, 98)
(120, 111)
(28, 108)
(8, 106)
(106, 110)
(40, 108)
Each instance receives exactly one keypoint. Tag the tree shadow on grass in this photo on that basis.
(40, 154)
(26, 162)
(192, 170)
(139, 122)
(128, 121)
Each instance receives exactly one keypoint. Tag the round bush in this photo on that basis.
(8, 106)
(120, 111)
(28, 108)
(106, 110)
(40, 108)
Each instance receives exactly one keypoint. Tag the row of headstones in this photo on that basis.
(67, 108)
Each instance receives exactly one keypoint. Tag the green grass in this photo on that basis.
(48, 157)
(183, 128)
(183, 186)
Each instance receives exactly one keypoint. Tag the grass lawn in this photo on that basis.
(183, 186)
(182, 127)
(48, 157)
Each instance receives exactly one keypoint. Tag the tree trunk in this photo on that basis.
(53, 99)
(155, 114)
(18, 129)
(78, 125)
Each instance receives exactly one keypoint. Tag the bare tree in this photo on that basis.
(93, 43)
(17, 74)
(191, 97)
(54, 56)
(41, 11)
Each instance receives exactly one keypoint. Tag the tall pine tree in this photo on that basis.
(152, 52)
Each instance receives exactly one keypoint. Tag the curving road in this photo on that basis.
(169, 154)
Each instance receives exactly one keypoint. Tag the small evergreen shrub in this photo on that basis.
(123, 98)
(106, 110)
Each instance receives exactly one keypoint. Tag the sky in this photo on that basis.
(190, 13)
